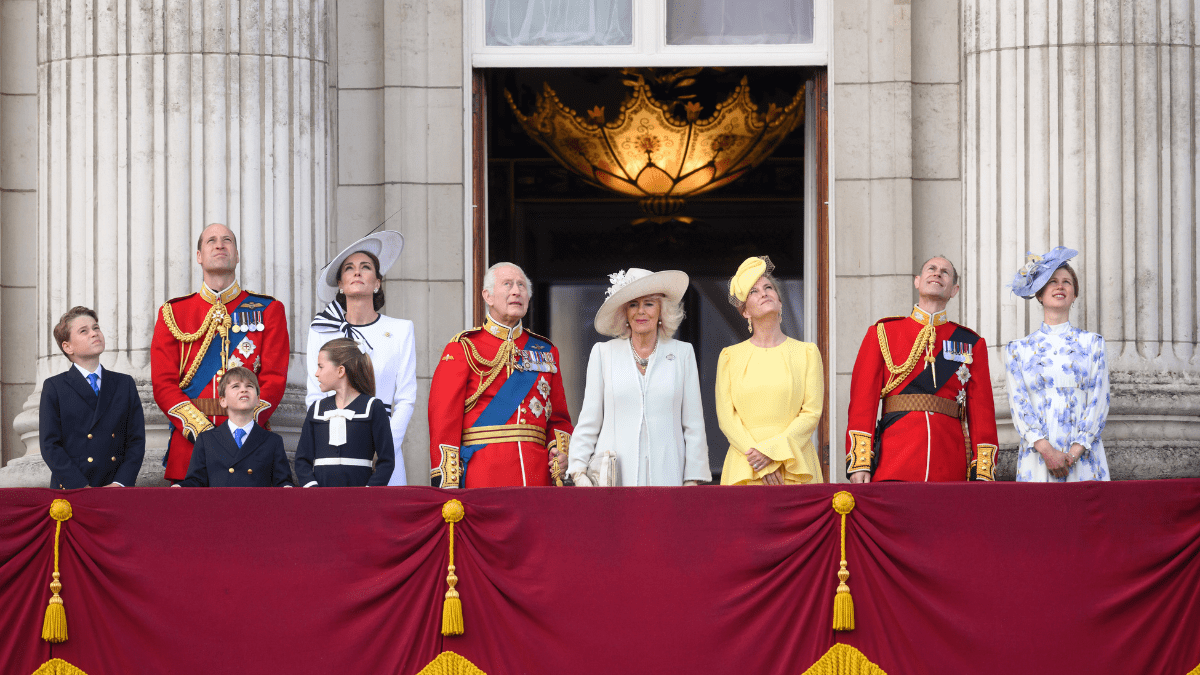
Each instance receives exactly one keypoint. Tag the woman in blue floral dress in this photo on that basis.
(1057, 381)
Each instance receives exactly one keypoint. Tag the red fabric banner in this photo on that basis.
(946, 578)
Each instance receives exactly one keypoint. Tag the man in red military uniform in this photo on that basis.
(198, 336)
(938, 420)
(497, 412)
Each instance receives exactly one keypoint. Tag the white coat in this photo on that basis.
(611, 416)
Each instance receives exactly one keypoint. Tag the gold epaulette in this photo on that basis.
(460, 335)
(543, 338)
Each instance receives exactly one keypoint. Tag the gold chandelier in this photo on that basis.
(651, 154)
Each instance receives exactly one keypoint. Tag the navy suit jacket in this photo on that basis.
(88, 439)
(217, 461)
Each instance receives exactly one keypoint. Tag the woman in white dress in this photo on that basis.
(641, 405)
(352, 285)
(1057, 380)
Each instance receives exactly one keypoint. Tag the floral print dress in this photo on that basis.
(1058, 389)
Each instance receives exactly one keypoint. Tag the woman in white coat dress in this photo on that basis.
(352, 285)
(641, 405)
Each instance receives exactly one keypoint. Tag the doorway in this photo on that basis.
(570, 235)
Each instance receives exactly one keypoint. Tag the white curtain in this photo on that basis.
(559, 22)
(739, 22)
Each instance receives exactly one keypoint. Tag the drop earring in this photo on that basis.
(750, 325)
(376, 289)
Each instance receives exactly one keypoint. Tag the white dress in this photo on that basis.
(394, 359)
(654, 423)
(1058, 389)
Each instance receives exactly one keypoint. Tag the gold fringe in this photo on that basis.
(843, 604)
(54, 627)
(57, 667)
(452, 617)
(844, 660)
(449, 663)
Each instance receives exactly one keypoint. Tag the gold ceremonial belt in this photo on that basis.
(921, 403)
(211, 407)
(504, 433)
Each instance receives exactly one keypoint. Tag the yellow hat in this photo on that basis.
(748, 274)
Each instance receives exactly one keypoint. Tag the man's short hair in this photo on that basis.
(952, 267)
(200, 239)
(489, 277)
(238, 374)
(62, 329)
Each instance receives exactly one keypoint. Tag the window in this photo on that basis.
(660, 33)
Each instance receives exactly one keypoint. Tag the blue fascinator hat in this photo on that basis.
(1038, 269)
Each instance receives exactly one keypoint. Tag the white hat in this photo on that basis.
(385, 245)
(636, 283)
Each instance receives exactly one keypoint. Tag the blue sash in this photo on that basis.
(505, 402)
(212, 358)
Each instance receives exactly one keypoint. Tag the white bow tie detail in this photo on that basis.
(337, 424)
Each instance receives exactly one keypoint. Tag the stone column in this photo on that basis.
(873, 193)
(155, 119)
(399, 138)
(1081, 124)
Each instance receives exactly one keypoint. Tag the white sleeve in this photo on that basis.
(695, 441)
(315, 342)
(404, 399)
(591, 415)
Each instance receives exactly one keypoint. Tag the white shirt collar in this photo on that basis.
(99, 374)
(233, 427)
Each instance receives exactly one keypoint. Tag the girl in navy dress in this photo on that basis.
(343, 433)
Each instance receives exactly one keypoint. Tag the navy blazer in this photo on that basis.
(88, 439)
(217, 461)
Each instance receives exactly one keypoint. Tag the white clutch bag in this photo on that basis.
(603, 470)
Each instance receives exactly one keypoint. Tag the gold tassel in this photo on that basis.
(843, 604)
(452, 616)
(54, 628)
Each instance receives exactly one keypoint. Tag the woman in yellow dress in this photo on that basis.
(769, 390)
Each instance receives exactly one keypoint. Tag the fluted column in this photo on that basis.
(155, 119)
(1081, 124)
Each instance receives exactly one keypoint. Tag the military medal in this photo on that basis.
(236, 327)
(261, 327)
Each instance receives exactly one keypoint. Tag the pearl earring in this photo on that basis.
(376, 289)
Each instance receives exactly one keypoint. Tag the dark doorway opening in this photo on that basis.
(569, 235)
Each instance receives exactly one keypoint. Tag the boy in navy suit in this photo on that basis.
(92, 429)
(238, 453)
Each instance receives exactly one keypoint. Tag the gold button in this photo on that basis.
(114, 435)
(89, 436)
(89, 459)
(249, 470)
(114, 458)
(231, 469)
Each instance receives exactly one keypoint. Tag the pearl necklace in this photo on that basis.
(642, 363)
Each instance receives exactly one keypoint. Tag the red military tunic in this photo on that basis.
(918, 444)
(196, 338)
(514, 446)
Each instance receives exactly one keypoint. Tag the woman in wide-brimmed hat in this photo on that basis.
(641, 422)
(1057, 380)
(352, 285)
(769, 389)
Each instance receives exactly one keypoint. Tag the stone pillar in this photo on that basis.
(18, 213)
(873, 194)
(399, 138)
(1081, 124)
(155, 119)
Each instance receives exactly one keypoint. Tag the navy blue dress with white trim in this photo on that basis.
(345, 447)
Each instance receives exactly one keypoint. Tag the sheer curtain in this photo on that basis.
(739, 22)
(559, 22)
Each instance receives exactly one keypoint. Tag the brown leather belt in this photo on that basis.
(211, 407)
(921, 403)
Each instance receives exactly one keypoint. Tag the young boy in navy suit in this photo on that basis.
(238, 453)
(91, 426)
